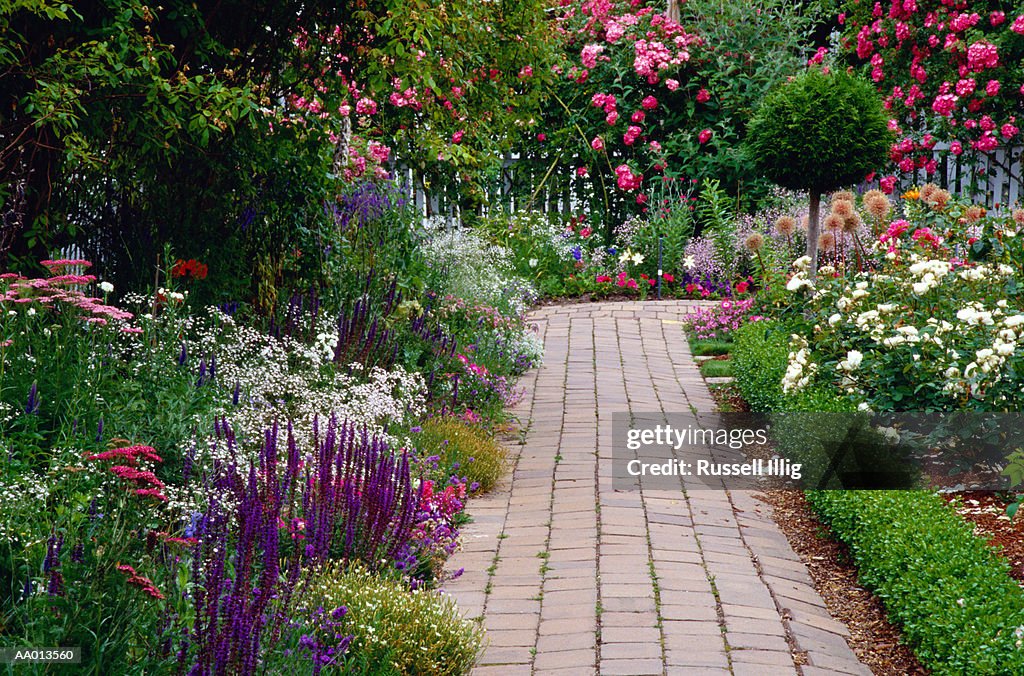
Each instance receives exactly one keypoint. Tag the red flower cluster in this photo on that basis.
(143, 583)
(191, 269)
(129, 455)
(147, 484)
(139, 476)
(60, 289)
(447, 502)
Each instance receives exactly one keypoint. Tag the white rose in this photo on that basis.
(835, 319)
(533, 262)
(852, 361)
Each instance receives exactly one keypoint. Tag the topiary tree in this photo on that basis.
(817, 132)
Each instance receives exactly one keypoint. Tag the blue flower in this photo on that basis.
(577, 253)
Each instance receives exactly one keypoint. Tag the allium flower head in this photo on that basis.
(926, 192)
(842, 208)
(754, 242)
(786, 225)
(826, 240)
(851, 223)
(833, 222)
(974, 213)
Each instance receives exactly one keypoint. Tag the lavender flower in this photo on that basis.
(32, 405)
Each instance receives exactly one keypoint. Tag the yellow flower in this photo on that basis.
(912, 194)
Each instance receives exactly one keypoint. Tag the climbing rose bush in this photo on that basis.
(951, 72)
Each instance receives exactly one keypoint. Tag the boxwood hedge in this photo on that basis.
(948, 590)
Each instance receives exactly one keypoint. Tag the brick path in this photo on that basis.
(572, 577)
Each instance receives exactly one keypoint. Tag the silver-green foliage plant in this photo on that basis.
(395, 629)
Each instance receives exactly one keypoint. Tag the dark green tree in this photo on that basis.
(817, 132)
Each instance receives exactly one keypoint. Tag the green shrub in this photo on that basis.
(759, 357)
(395, 629)
(820, 131)
(947, 589)
(464, 450)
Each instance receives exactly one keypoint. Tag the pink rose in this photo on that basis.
(992, 88)
(703, 96)
(366, 106)
(965, 87)
(672, 84)
(944, 104)
(649, 102)
(457, 136)
(597, 143)
(704, 136)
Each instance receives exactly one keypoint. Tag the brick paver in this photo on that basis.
(570, 576)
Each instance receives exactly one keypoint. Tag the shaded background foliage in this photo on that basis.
(125, 126)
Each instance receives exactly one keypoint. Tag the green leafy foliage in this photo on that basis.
(946, 588)
(759, 362)
(819, 131)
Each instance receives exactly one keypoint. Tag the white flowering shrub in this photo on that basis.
(467, 266)
(930, 322)
(279, 380)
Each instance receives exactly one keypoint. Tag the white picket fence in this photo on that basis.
(993, 179)
(518, 185)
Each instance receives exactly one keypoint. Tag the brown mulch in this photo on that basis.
(874, 640)
(986, 511)
(728, 399)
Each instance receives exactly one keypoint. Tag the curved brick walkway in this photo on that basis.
(572, 577)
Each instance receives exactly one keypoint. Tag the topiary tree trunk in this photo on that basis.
(672, 10)
(812, 231)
